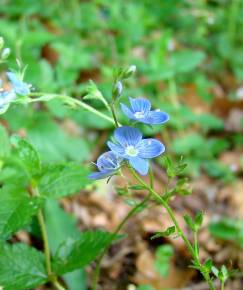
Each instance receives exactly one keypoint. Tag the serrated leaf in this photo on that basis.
(63, 180)
(61, 225)
(28, 155)
(4, 143)
(76, 253)
(16, 210)
(21, 267)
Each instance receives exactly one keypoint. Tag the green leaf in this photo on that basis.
(4, 143)
(28, 155)
(198, 220)
(76, 253)
(163, 256)
(228, 229)
(62, 180)
(21, 267)
(16, 210)
(189, 221)
(166, 233)
(61, 225)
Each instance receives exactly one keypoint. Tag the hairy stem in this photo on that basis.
(47, 253)
(119, 227)
(178, 228)
(114, 114)
(70, 101)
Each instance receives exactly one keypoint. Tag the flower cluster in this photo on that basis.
(128, 145)
(18, 88)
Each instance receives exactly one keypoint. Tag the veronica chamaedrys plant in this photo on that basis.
(130, 145)
(140, 111)
(108, 164)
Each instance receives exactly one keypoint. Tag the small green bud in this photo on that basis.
(117, 89)
(129, 72)
(5, 53)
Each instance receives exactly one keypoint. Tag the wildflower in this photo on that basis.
(108, 163)
(130, 146)
(5, 98)
(140, 111)
(20, 87)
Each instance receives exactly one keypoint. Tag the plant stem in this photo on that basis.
(71, 101)
(47, 253)
(58, 286)
(114, 114)
(196, 248)
(41, 221)
(119, 227)
(178, 228)
(222, 285)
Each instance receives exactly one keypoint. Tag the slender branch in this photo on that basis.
(178, 228)
(114, 114)
(70, 101)
(41, 221)
(119, 227)
(47, 253)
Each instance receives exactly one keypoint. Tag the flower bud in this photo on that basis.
(117, 90)
(129, 72)
(5, 53)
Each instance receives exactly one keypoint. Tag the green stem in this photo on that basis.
(196, 248)
(114, 114)
(58, 286)
(151, 177)
(47, 253)
(70, 101)
(119, 227)
(222, 285)
(178, 228)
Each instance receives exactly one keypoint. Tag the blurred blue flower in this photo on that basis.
(108, 163)
(5, 98)
(140, 111)
(20, 87)
(130, 146)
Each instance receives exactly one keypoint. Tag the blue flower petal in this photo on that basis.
(127, 136)
(101, 174)
(128, 112)
(116, 148)
(108, 161)
(156, 118)
(12, 78)
(150, 148)
(140, 105)
(139, 164)
(20, 87)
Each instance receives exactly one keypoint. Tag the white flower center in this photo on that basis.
(139, 115)
(131, 151)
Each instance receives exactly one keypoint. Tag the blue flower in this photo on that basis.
(20, 87)
(5, 99)
(130, 146)
(140, 110)
(108, 163)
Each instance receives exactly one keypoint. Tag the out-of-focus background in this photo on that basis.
(189, 59)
